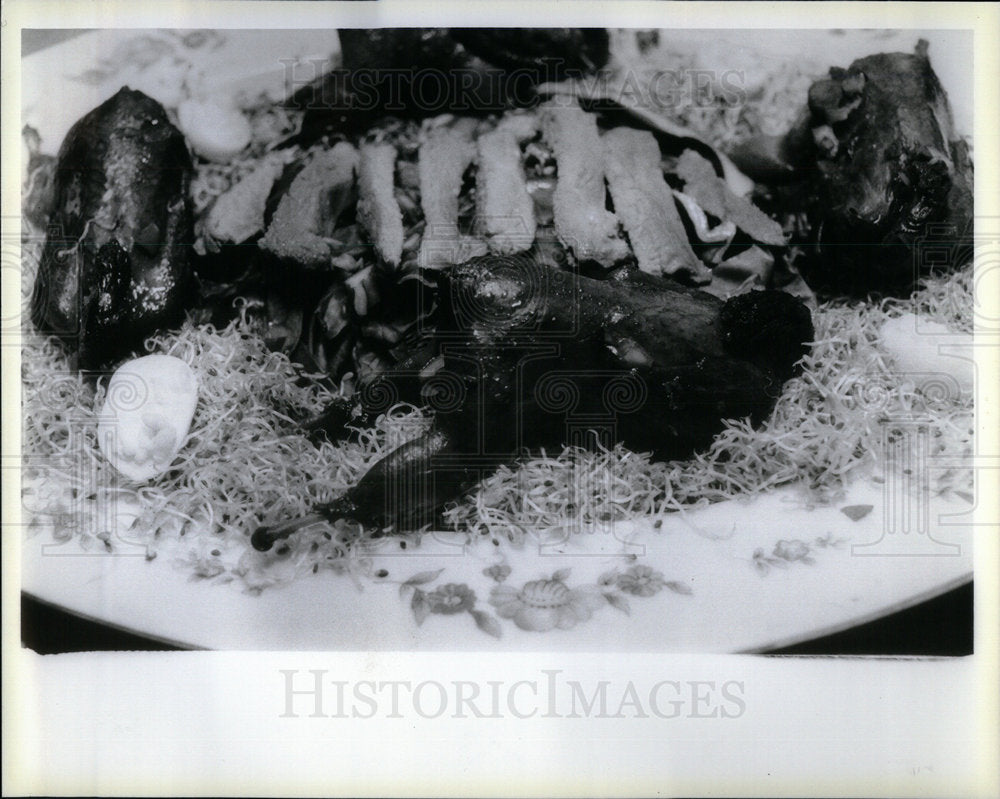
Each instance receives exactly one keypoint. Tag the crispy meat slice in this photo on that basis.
(583, 224)
(447, 151)
(307, 214)
(378, 210)
(238, 214)
(711, 193)
(645, 205)
(505, 210)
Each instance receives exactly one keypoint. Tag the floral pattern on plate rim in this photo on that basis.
(539, 605)
(794, 550)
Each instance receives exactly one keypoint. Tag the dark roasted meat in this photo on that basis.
(427, 71)
(556, 52)
(691, 358)
(529, 356)
(115, 266)
(895, 180)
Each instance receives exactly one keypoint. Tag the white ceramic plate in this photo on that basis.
(733, 577)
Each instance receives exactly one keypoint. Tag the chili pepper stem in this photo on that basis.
(263, 538)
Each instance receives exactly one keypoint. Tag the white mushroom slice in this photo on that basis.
(215, 128)
(146, 415)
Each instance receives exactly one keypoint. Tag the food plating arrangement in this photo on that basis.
(495, 287)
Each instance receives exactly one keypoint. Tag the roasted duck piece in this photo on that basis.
(428, 71)
(115, 266)
(556, 50)
(890, 180)
(530, 356)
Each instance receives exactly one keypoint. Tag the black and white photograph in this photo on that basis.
(631, 342)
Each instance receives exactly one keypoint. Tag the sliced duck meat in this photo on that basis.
(378, 210)
(505, 210)
(583, 223)
(238, 214)
(447, 151)
(711, 193)
(645, 205)
(306, 217)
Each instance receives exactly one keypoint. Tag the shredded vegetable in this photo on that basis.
(246, 463)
